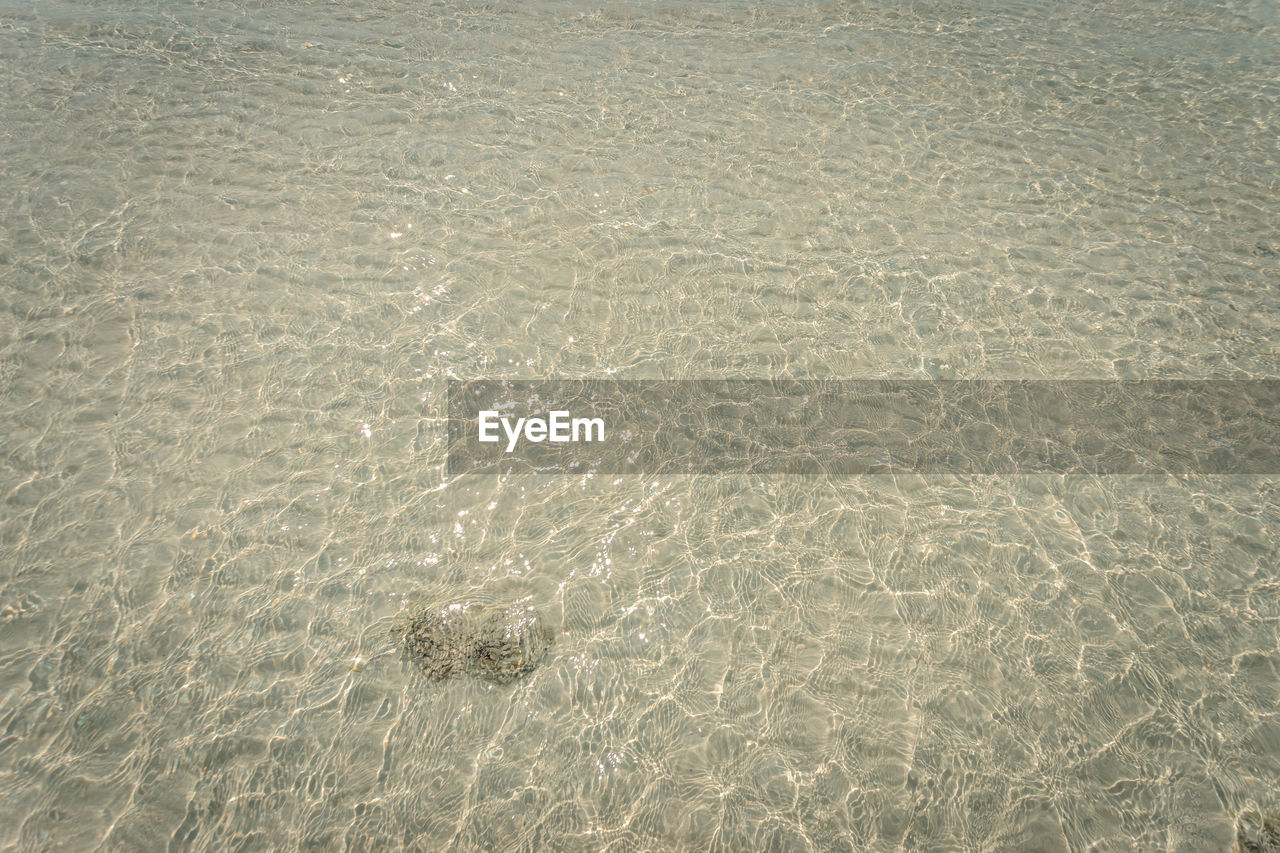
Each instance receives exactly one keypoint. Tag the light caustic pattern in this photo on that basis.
(243, 249)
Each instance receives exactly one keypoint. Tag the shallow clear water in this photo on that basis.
(243, 247)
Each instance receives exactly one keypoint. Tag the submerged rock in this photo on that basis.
(493, 643)
(1264, 840)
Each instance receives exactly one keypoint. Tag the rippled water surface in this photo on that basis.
(244, 246)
